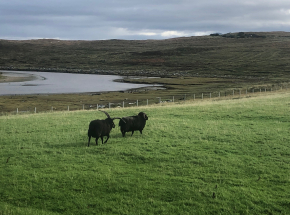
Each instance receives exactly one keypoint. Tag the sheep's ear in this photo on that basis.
(105, 113)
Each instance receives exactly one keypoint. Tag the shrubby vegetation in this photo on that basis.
(243, 35)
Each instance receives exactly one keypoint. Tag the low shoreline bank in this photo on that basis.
(177, 88)
(6, 79)
(150, 73)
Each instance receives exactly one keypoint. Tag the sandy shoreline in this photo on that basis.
(5, 78)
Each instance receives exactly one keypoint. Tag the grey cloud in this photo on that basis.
(129, 19)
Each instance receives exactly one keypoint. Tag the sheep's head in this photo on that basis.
(112, 123)
(143, 115)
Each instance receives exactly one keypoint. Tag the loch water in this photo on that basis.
(58, 83)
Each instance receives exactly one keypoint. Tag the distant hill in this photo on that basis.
(242, 54)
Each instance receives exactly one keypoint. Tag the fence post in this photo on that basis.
(123, 104)
(35, 110)
(17, 110)
(83, 107)
(109, 105)
(219, 94)
(137, 102)
(201, 96)
(210, 95)
(67, 108)
(193, 96)
(51, 108)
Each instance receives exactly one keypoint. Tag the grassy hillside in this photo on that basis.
(210, 157)
(261, 54)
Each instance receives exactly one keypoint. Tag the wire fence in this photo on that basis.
(227, 94)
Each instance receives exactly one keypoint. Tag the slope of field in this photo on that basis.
(210, 157)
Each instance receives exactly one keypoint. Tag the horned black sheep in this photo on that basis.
(100, 128)
(133, 123)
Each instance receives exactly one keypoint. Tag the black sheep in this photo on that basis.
(100, 128)
(133, 123)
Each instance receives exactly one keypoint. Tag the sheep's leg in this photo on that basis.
(132, 133)
(89, 141)
(107, 138)
(123, 133)
(102, 139)
(97, 140)
(140, 131)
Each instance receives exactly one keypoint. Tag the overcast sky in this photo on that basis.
(136, 19)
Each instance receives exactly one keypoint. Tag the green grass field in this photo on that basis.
(206, 157)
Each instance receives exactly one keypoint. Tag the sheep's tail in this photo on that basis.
(121, 122)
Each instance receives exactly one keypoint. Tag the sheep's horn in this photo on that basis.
(106, 113)
(119, 118)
